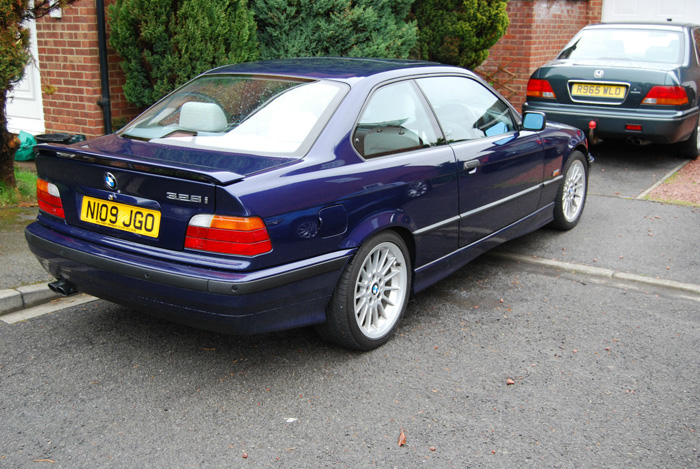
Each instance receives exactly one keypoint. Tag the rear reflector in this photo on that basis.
(49, 198)
(633, 127)
(666, 96)
(228, 235)
(540, 89)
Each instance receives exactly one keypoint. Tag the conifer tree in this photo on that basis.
(342, 28)
(165, 43)
(460, 32)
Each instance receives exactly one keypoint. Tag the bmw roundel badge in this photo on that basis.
(110, 181)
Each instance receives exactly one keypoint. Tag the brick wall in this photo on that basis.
(69, 59)
(538, 30)
(70, 63)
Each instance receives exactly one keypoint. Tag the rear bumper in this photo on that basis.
(272, 299)
(659, 126)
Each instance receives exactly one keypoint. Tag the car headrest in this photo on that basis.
(205, 117)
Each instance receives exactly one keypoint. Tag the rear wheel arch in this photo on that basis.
(367, 229)
(376, 223)
(372, 293)
(408, 239)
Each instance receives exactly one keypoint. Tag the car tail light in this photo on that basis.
(666, 96)
(540, 89)
(228, 235)
(49, 198)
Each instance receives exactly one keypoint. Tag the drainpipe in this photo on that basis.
(104, 102)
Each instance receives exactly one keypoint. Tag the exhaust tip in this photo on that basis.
(63, 287)
(640, 142)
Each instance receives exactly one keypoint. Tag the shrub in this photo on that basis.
(343, 28)
(165, 43)
(459, 32)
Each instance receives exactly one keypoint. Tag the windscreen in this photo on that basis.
(247, 114)
(639, 45)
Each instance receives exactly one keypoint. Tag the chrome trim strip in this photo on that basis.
(553, 180)
(615, 113)
(459, 217)
(479, 241)
(437, 225)
(500, 202)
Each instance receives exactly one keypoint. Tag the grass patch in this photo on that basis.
(684, 203)
(23, 194)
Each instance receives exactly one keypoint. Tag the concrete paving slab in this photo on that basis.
(10, 300)
(46, 308)
(624, 235)
(33, 295)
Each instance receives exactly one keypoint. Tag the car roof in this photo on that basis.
(650, 25)
(338, 68)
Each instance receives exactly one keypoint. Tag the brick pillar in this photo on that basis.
(538, 30)
(69, 65)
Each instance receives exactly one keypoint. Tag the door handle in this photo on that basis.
(471, 165)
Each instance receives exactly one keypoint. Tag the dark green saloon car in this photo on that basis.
(637, 82)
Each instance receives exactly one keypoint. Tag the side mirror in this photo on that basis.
(535, 121)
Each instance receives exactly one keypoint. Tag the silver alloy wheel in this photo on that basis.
(574, 191)
(380, 290)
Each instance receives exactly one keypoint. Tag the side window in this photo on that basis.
(466, 109)
(394, 120)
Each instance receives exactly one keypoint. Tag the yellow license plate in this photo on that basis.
(599, 91)
(122, 217)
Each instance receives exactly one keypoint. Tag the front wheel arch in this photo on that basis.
(572, 193)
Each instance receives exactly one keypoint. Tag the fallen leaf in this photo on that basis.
(245, 455)
(402, 438)
(510, 382)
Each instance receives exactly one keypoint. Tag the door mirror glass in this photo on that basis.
(534, 121)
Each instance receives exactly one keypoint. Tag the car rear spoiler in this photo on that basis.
(140, 163)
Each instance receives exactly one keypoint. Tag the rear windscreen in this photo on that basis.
(637, 45)
(248, 114)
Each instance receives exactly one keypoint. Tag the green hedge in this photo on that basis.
(165, 43)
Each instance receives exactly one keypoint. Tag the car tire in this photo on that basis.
(691, 147)
(571, 196)
(371, 296)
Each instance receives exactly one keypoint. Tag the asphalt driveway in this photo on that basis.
(504, 363)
